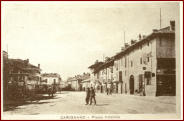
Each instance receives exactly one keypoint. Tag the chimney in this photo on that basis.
(172, 25)
(126, 45)
(144, 36)
(39, 66)
(155, 30)
(133, 41)
(107, 58)
(26, 61)
(140, 37)
(122, 48)
(96, 61)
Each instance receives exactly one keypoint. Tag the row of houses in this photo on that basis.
(78, 82)
(21, 78)
(145, 67)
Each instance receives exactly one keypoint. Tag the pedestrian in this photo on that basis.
(87, 95)
(92, 96)
(107, 91)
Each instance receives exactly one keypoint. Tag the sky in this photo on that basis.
(67, 37)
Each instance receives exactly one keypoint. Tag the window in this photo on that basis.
(140, 47)
(120, 76)
(116, 66)
(148, 81)
(111, 69)
(121, 61)
(54, 81)
(147, 43)
(131, 63)
(148, 59)
(125, 61)
(160, 41)
(141, 60)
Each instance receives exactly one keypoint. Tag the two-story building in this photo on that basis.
(145, 67)
(75, 83)
(148, 65)
(79, 82)
(50, 78)
(21, 77)
(95, 78)
(104, 75)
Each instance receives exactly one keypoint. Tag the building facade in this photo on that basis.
(20, 78)
(74, 84)
(51, 79)
(95, 75)
(145, 67)
(79, 82)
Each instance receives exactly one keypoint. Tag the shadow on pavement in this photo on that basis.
(63, 93)
(10, 105)
(102, 104)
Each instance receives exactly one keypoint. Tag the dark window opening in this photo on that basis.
(148, 59)
(166, 63)
(160, 41)
(125, 62)
(131, 63)
(148, 81)
(120, 76)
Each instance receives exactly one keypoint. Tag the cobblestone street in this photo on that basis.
(74, 103)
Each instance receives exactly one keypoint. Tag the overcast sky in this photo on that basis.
(67, 37)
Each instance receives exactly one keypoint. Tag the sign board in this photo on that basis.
(147, 74)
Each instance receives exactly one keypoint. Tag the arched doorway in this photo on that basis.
(131, 84)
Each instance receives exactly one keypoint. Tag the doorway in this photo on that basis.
(131, 84)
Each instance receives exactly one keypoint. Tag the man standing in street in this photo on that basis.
(92, 96)
(87, 95)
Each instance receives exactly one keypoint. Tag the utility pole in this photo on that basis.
(124, 37)
(160, 18)
(7, 48)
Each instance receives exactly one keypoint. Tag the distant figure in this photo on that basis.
(92, 96)
(51, 91)
(87, 95)
(60, 89)
(111, 88)
(107, 91)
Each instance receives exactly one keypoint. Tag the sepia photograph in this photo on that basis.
(91, 60)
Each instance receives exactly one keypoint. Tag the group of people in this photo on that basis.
(90, 96)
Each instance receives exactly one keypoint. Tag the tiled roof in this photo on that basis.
(22, 64)
(79, 77)
(95, 65)
(162, 32)
(147, 38)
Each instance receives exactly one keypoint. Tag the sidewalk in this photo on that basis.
(160, 99)
(12, 104)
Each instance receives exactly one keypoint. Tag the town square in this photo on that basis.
(91, 58)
